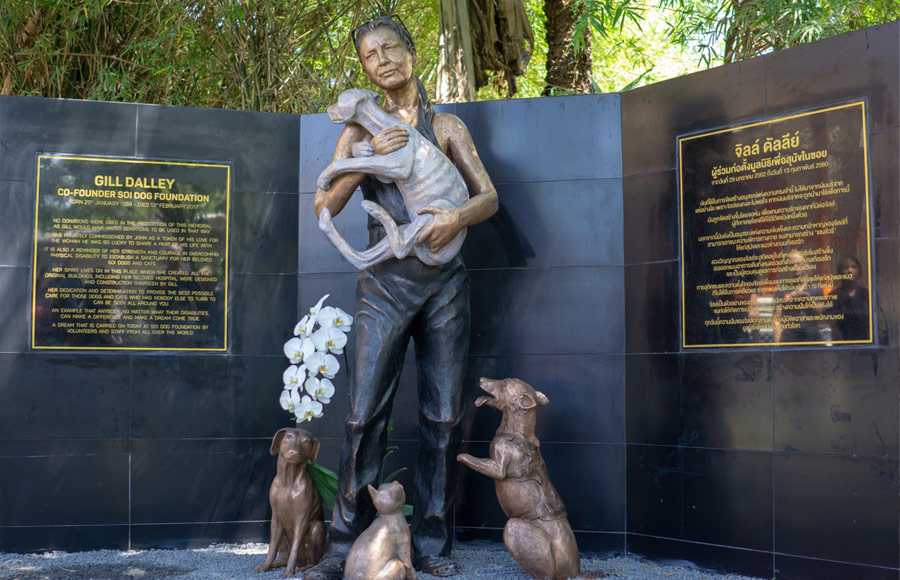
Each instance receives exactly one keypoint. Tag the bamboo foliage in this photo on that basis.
(290, 56)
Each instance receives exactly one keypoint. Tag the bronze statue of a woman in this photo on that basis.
(402, 298)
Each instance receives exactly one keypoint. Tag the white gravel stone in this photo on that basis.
(236, 562)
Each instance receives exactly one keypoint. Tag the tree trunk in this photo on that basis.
(566, 71)
(456, 69)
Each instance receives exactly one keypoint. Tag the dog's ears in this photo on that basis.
(372, 491)
(315, 452)
(527, 402)
(276, 441)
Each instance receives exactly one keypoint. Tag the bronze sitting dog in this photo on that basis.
(538, 534)
(298, 529)
(383, 550)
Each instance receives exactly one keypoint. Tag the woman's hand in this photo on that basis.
(390, 139)
(442, 229)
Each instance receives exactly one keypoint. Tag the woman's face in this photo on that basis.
(386, 59)
(850, 267)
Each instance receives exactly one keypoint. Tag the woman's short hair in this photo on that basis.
(393, 22)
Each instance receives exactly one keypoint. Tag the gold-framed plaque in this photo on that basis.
(775, 231)
(130, 254)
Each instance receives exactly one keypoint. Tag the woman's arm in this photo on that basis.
(482, 204)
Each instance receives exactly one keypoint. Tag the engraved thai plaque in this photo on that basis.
(775, 232)
(130, 254)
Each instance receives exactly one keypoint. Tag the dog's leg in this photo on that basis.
(275, 532)
(393, 570)
(401, 238)
(495, 469)
(395, 166)
(299, 527)
(531, 548)
(312, 548)
(361, 260)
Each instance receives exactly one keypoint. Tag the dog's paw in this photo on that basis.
(261, 568)
(362, 149)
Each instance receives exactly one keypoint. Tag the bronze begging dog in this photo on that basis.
(298, 529)
(538, 534)
(383, 551)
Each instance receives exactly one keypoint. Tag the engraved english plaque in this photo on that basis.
(130, 254)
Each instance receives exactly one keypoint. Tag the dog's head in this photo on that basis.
(345, 108)
(295, 445)
(510, 395)
(388, 498)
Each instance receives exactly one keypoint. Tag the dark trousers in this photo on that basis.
(396, 301)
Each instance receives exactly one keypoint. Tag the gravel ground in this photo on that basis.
(236, 562)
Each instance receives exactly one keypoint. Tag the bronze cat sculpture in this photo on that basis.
(421, 171)
(298, 529)
(538, 534)
(384, 550)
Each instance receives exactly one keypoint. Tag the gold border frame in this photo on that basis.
(681, 140)
(128, 160)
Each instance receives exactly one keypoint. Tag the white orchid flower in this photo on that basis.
(305, 326)
(308, 409)
(319, 362)
(297, 349)
(333, 317)
(290, 399)
(314, 311)
(294, 376)
(329, 339)
(321, 390)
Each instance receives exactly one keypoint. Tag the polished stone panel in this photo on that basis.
(15, 288)
(885, 150)
(534, 226)
(727, 497)
(652, 116)
(726, 400)
(51, 395)
(586, 398)
(318, 136)
(887, 317)
(39, 539)
(795, 568)
(652, 308)
(654, 484)
(191, 481)
(702, 495)
(841, 401)
(262, 313)
(651, 217)
(17, 222)
(594, 492)
(548, 311)
(864, 63)
(70, 489)
(532, 139)
(653, 398)
(703, 556)
(29, 125)
(264, 147)
(197, 535)
(224, 396)
(317, 253)
(837, 508)
(263, 233)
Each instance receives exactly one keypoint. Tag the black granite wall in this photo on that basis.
(105, 449)
(730, 458)
(772, 462)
